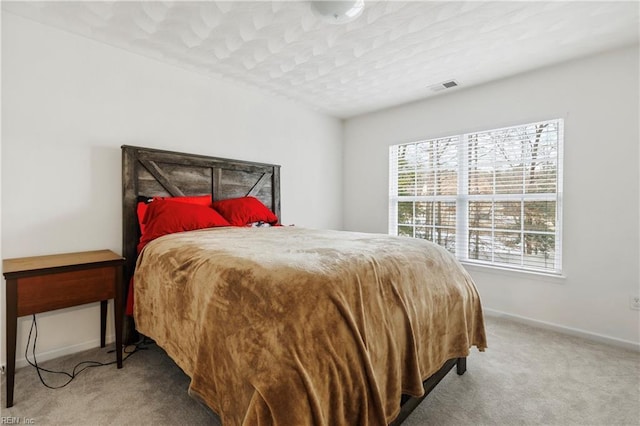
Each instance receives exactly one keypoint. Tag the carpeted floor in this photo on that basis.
(528, 376)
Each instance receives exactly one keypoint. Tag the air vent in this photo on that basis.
(444, 85)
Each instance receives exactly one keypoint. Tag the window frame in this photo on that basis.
(463, 198)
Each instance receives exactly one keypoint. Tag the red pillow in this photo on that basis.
(245, 210)
(202, 200)
(165, 217)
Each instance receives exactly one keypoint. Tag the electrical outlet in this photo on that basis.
(2, 369)
(634, 302)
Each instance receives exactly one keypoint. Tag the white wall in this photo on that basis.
(598, 98)
(69, 103)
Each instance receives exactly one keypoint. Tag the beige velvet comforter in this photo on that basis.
(292, 326)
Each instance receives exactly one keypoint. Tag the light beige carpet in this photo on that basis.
(527, 376)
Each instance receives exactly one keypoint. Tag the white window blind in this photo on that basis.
(491, 197)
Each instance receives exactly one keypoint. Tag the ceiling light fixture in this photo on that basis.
(337, 12)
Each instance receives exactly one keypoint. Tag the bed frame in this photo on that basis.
(150, 172)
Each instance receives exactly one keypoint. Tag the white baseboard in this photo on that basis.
(626, 344)
(67, 350)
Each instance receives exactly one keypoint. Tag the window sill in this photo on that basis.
(539, 276)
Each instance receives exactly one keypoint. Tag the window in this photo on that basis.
(490, 197)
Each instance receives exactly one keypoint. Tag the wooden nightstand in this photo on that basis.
(45, 283)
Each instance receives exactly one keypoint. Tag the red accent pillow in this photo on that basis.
(202, 200)
(245, 210)
(166, 217)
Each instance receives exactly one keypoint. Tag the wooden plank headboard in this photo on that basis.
(151, 172)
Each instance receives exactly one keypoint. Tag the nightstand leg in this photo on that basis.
(118, 314)
(12, 324)
(103, 322)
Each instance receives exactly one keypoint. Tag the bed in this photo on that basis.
(287, 325)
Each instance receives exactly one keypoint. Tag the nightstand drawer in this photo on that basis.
(55, 291)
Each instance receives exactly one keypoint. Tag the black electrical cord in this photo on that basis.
(89, 364)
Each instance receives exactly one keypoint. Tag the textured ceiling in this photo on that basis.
(388, 56)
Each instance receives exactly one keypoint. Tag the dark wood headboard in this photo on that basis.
(151, 172)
